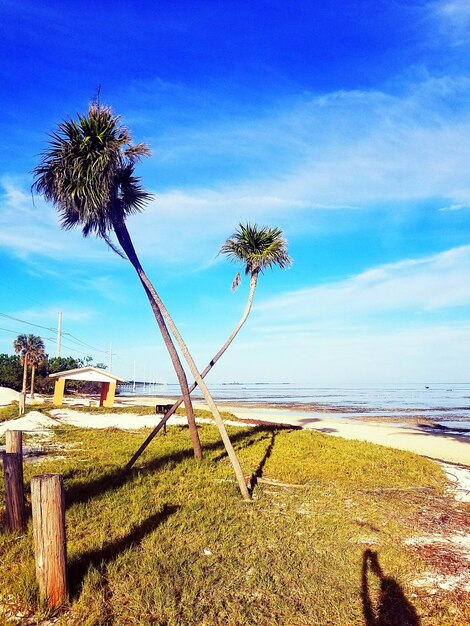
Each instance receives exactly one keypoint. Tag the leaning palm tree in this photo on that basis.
(36, 357)
(258, 249)
(87, 172)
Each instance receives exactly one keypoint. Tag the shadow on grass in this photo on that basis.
(392, 607)
(259, 472)
(110, 551)
(87, 489)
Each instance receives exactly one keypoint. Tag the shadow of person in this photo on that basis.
(392, 607)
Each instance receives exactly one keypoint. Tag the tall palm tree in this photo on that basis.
(87, 172)
(31, 351)
(21, 345)
(36, 357)
(257, 248)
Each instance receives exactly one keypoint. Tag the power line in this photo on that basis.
(72, 337)
(84, 343)
(16, 319)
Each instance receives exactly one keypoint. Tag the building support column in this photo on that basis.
(59, 391)
(108, 391)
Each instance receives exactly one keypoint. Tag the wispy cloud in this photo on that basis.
(456, 207)
(453, 18)
(416, 286)
(342, 151)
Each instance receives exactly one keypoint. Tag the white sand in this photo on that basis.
(34, 421)
(7, 396)
(437, 445)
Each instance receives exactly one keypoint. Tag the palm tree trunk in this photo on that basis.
(169, 413)
(25, 372)
(33, 372)
(124, 239)
(204, 390)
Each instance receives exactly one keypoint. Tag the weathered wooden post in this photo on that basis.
(48, 508)
(14, 441)
(14, 490)
(13, 477)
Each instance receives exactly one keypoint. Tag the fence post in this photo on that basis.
(48, 508)
(14, 441)
(14, 490)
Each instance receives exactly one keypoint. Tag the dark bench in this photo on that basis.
(162, 409)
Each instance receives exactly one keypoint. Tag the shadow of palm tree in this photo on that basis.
(85, 490)
(259, 471)
(110, 551)
(392, 607)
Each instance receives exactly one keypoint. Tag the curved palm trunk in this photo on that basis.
(169, 413)
(128, 247)
(33, 372)
(205, 392)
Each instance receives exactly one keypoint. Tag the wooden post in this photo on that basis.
(14, 441)
(48, 507)
(14, 490)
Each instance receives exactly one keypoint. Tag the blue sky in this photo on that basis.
(346, 124)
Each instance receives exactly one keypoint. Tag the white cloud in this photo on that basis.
(30, 229)
(453, 18)
(414, 287)
(456, 207)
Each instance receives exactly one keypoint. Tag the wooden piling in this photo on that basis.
(14, 490)
(14, 441)
(48, 508)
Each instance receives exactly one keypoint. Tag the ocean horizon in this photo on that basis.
(442, 401)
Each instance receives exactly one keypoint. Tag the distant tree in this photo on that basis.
(11, 372)
(27, 346)
(36, 357)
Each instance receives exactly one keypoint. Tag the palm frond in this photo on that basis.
(257, 248)
(87, 172)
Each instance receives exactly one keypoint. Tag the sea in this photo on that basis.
(446, 403)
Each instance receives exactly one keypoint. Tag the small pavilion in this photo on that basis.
(88, 374)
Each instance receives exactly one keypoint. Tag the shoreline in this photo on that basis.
(414, 432)
(442, 445)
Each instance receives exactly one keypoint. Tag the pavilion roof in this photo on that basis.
(88, 374)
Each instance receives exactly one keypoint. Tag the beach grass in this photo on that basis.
(173, 544)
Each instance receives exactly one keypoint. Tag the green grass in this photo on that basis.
(8, 412)
(173, 544)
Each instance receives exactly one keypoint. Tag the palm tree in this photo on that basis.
(21, 345)
(87, 172)
(36, 357)
(31, 351)
(257, 248)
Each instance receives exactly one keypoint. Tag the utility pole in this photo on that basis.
(59, 333)
(110, 358)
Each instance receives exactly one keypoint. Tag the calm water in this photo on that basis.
(443, 401)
